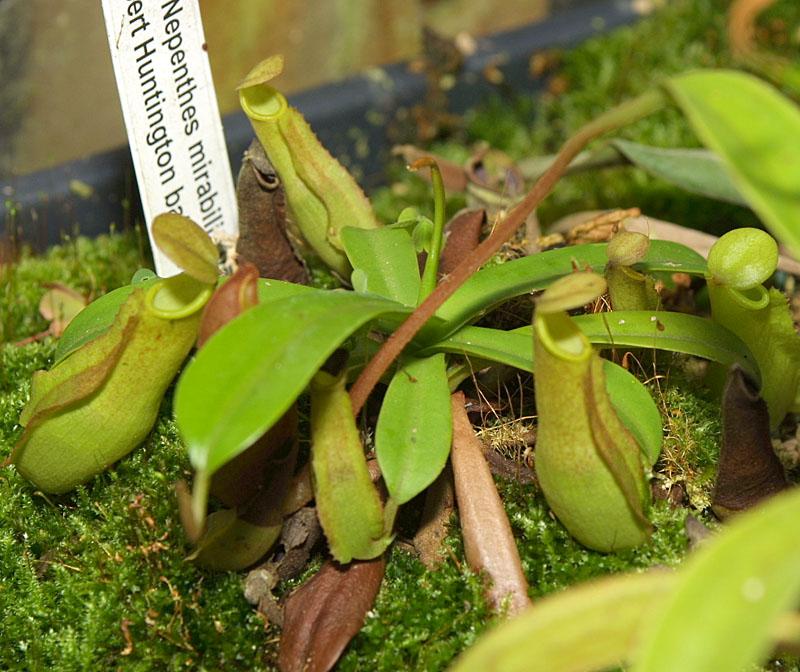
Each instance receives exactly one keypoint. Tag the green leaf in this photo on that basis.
(594, 626)
(730, 594)
(415, 427)
(698, 171)
(187, 245)
(387, 259)
(275, 290)
(494, 284)
(95, 319)
(630, 398)
(251, 370)
(662, 330)
(687, 334)
(755, 130)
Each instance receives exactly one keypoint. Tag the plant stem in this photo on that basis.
(431, 271)
(200, 490)
(621, 115)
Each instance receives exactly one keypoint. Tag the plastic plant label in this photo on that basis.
(170, 108)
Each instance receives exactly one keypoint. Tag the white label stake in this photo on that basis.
(171, 114)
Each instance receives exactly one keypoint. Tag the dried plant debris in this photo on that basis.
(263, 237)
(59, 305)
(494, 171)
(488, 540)
(463, 233)
(749, 471)
(441, 61)
(325, 613)
(300, 534)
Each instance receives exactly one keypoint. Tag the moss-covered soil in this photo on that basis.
(96, 580)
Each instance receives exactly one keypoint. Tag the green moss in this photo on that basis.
(80, 569)
(92, 267)
(692, 433)
(553, 560)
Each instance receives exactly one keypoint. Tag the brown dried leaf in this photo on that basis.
(301, 532)
(463, 233)
(323, 615)
(488, 539)
(59, 305)
(263, 239)
(749, 471)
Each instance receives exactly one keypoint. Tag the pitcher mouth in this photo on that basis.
(755, 298)
(262, 102)
(177, 297)
(559, 335)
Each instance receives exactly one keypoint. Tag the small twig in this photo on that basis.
(126, 633)
(33, 339)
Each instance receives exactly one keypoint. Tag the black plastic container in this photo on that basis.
(90, 195)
